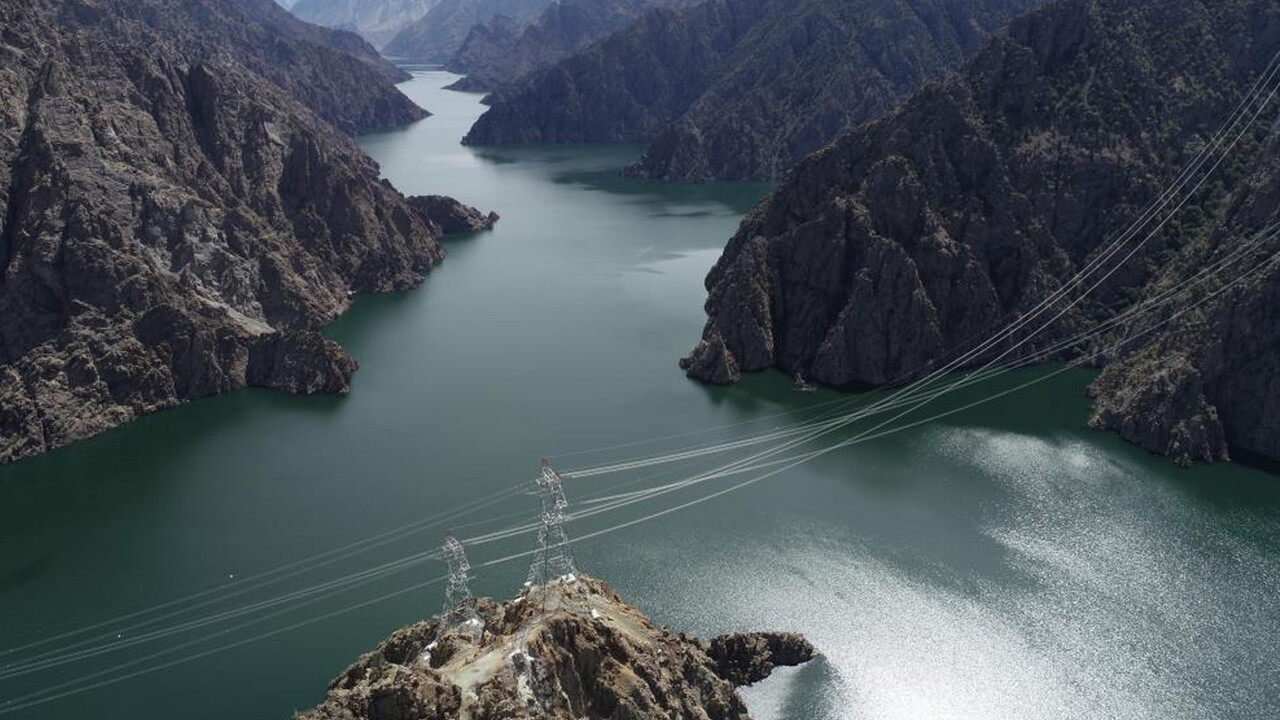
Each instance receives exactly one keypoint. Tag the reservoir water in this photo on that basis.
(1004, 562)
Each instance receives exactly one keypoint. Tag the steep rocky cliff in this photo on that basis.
(905, 239)
(743, 88)
(499, 52)
(436, 37)
(313, 64)
(377, 21)
(174, 223)
(571, 651)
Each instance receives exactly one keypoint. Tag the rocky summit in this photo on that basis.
(568, 651)
(176, 223)
(895, 246)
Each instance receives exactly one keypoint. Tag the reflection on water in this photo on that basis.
(1001, 563)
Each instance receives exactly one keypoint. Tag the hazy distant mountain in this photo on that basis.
(375, 20)
(907, 240)
(743, 88)
(437, 36)
(501, 50)
(182, 213)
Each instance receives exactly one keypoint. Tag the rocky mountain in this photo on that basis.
(377, 21)
(174, 222)
(737, 89)
(311, 63)
(500, 51)
(571, 651)
(896, 245)
(436, 37)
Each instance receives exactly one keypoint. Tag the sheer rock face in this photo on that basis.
(908, 238)
(737, 89)
(501, 50)
(437, 36)
(174, 224)
(570, 651)
(377, 21)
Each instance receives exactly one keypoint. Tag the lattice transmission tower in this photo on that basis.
(459, 611)
(554, 559)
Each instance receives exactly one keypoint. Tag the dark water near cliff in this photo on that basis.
(1003, 563)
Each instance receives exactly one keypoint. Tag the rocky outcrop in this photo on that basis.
(174, 224)
(748, 658)
(452, 216)
(570, 651)
(501, 50)
(436, 37)
(737, 89)
(377, 21)
(711, 361)
(905, 239)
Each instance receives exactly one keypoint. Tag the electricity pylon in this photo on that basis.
(458, 609)
(554, 559)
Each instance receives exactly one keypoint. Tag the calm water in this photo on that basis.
(1001, 563)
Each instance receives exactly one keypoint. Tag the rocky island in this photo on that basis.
(562, 651)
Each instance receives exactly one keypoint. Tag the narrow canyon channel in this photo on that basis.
(1004, 562)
